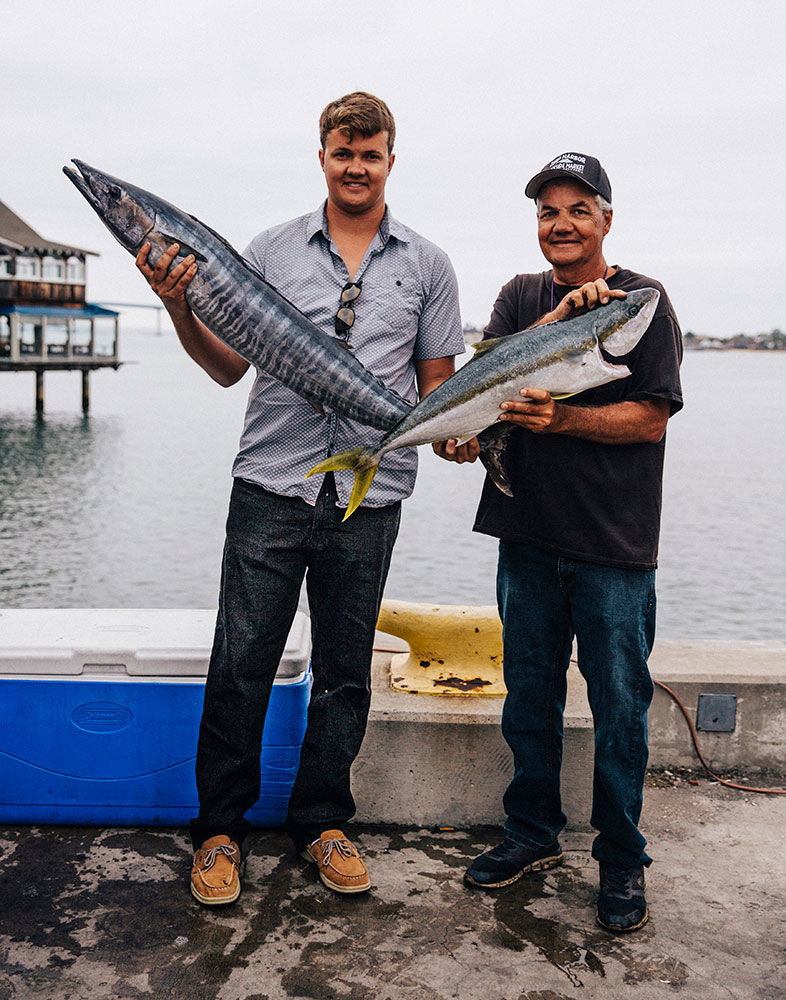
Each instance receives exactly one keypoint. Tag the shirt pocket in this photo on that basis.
(392, 318)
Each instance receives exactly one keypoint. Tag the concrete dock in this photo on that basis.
(441, 759)
(92, 914)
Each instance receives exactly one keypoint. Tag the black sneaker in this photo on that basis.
(508, 861)
(621, 903)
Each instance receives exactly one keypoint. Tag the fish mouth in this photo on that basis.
(81, 181)
(623, 337)
(127, 212)
(98, 188)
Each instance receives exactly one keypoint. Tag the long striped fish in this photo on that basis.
(236, 303)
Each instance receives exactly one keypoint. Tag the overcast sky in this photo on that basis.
(214, 106)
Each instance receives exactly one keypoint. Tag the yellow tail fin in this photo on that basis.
(358, 460)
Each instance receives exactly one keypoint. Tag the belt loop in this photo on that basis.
(328, 488)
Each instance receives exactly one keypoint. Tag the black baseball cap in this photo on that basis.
(578, 166)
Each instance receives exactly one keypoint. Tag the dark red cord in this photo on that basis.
(705, 765)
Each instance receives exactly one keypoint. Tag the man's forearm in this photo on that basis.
(618, 423)
(169, 281)
(629, 422)
(221, 363)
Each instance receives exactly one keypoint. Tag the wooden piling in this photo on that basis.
(39, 391)
(85, 390)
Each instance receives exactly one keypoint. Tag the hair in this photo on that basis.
(603, 205)
(357, 112)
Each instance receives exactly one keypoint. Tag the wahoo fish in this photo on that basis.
(236, 303)
(563, 358)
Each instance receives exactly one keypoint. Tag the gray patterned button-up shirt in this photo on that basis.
(407, 311)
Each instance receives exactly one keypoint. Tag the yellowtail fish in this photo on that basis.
(563, 358)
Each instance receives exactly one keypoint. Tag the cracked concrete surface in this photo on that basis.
(98, 913)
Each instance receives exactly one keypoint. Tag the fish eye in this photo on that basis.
(633, 310)
(114, 192)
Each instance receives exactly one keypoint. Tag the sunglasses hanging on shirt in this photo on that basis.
(345, 316)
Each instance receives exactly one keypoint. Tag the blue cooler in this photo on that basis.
(100, 709)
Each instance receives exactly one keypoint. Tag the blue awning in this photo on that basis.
(87, 311)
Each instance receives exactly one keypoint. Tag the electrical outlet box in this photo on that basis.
(716, 713)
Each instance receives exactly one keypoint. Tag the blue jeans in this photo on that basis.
(545, 600)
(271, 543)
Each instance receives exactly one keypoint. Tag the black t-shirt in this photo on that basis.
(592, 502)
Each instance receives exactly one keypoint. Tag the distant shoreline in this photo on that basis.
(759, 350)
(773, 341)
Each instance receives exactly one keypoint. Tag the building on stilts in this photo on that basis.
(46, 324)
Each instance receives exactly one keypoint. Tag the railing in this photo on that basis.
(34, 291)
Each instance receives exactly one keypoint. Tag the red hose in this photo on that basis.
(705, 765)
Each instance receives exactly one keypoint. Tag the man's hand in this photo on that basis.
(169, 285)
(590, 295)
(430, 374)
(218, 359)
(536, 411)
(451, 451)
(628, 422)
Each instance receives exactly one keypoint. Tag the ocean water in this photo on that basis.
(125, 507)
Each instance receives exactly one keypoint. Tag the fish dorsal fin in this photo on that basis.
(485, 345)
(246, 263)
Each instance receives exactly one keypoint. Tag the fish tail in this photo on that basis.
(362, 462)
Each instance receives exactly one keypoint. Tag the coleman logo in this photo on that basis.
(101, 717)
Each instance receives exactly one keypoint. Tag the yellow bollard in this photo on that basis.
(453, 648)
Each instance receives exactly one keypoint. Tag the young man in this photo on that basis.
(578, 550)
(391, 295)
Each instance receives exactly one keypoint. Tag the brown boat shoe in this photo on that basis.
(215, 875)
(340, 866)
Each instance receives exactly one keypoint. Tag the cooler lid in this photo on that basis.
(152, 642)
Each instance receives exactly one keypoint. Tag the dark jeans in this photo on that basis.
(544, 601)
(272, 542)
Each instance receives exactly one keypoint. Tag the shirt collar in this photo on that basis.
(388, 227)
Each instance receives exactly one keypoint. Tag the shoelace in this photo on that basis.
(620, 882)
(210, 856)
(343, 847)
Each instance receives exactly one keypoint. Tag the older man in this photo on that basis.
(391, 297)
(578, 549)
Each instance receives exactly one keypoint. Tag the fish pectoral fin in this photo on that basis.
(561, 395)
(185, 249)
(485, 345)
(362, 462)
